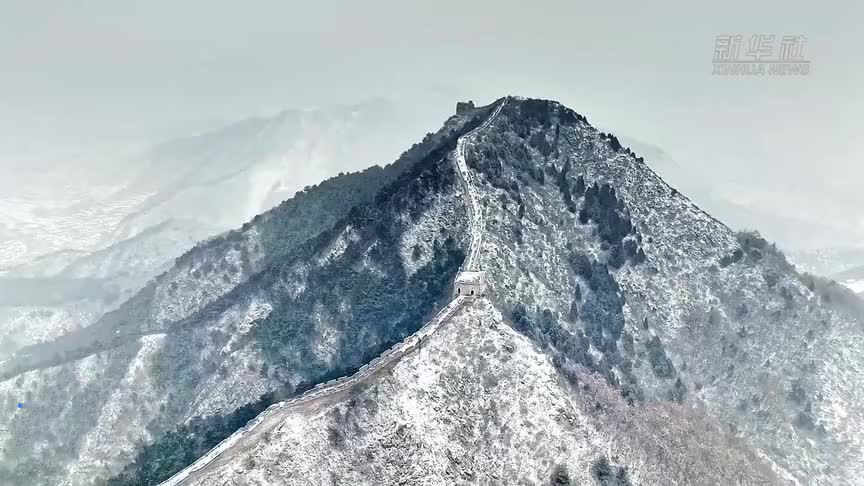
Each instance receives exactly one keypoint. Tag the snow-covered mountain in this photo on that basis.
(57, 294)
(136, 366)
(480, 403)
(219, 178)
(809, 228)
(120, 223)
(626, 336)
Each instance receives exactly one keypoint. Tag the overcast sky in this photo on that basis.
(83, 73)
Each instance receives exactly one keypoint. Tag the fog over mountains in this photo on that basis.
(79, 238)
(626, 336)
(223, 177)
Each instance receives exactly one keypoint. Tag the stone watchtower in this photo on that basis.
(469, 284)
(463, 106)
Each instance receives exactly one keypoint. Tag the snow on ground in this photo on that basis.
(122, 424)
(856, 285)
(339, 245)
(421, 234)
(691, 301)
(239, 362)
(11, 251)
(86, 369)
(80, 218)
(369, 263)
(25, 325)
(238, 326)
(325, 342)
(478, 403)
(842, 396)
(189, 288)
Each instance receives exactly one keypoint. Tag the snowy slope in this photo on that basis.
(613, 270)
(854, 285)
(123, 220)
(97, 283)
(480, 404)
(228, 448)
(675, 309)
(267, 310)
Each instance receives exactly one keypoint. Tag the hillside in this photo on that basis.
(40, 303)
(614, 274)
(479, 403)
(80, 236)
(630, 279)
(264, 311)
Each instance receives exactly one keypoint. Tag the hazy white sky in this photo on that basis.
(86, 72)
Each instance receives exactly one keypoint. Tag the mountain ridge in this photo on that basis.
(446, 414)
(391, 355)
(174, 366)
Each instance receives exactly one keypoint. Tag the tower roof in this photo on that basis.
(469, 278)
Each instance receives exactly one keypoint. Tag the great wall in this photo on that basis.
(469, 283)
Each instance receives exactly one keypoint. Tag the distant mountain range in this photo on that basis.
(108, 228)
(218, 179)
(845, 265)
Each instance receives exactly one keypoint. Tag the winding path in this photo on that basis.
(469, 190)
(274, 414)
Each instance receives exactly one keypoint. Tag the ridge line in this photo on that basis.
(389, 356)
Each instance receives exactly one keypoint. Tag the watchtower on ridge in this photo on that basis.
(464, 106)
(469, 284)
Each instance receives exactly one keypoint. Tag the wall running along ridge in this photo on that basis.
(274, 413)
